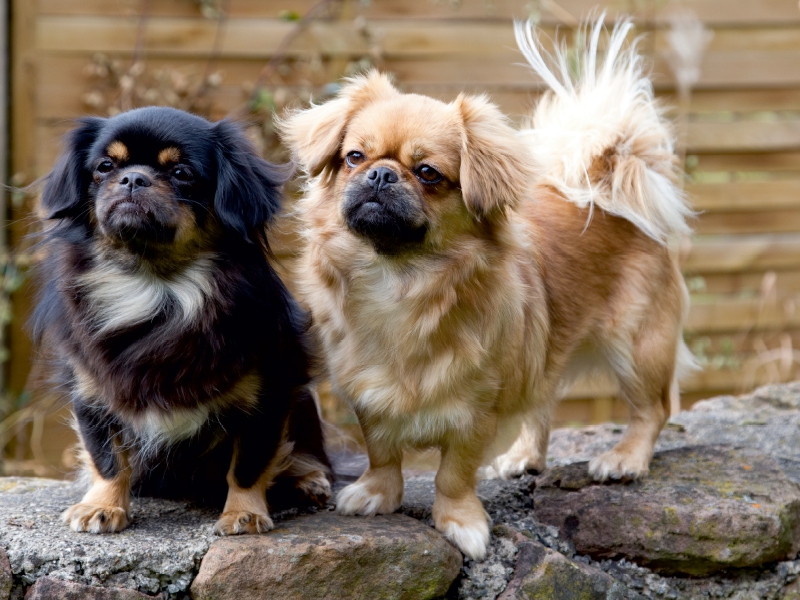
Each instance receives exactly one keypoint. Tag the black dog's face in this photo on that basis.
(159, 180)
(149, 190)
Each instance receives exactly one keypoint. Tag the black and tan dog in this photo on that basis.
(182, 351)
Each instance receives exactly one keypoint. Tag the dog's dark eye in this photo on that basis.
(182, 174)
(354, 158)
(105, 167)
(427, 174)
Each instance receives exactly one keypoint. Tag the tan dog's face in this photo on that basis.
(408, 173)
(399, 177)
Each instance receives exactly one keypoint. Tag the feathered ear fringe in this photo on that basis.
(496, 167)
(315, 134)
(599, 134)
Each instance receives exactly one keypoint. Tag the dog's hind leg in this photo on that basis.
(528, 452)
(379, 490)
(309, 463)
(647, 385)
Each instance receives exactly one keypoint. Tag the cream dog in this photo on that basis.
(462, 274)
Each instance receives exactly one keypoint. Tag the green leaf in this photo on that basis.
(289, 15)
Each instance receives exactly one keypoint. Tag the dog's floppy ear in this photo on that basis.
(315, 134)
(248, 187)
(496, 167)
(66, 185)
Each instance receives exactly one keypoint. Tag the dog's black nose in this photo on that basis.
(134, 179)
(381, 178)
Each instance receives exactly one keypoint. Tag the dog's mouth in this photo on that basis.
(134, 220)
(391, 222)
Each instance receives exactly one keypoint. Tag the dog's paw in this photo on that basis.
(509, 466)
(241, 521)
(357, 499)
(316, 486)
(618, 465)
(471, 538)
(95, 518)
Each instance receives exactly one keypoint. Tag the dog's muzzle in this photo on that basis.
(381, 209)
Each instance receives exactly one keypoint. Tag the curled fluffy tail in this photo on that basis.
(599, 135)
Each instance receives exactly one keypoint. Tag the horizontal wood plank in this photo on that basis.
(712, 12)
(708, 382)
(743, 253)
(745, 196)
(735, 314)
(744, 136)
(749, 284)
(773, 162)
(749, 222)
(758, 59)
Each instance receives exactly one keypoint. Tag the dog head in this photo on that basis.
(407, 170)
(160, 177)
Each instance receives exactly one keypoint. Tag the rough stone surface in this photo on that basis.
(160, 551)
(329, 556)
(48, 588)
(700, 510)
(6, 578)
(542, 573)
(767, 420)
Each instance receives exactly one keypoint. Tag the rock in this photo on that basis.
(701, 509)
(542, 573)
(767, 420)
(161, 551)
(6, 577)
(791, 591)
(48, 588)
(330, 556)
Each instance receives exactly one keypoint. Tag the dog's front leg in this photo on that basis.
(379, 490)
(105, 507)
(261, 453)
(457, 511)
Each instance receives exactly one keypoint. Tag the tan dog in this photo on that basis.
(461, 274)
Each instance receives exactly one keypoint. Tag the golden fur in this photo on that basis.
(466, 340)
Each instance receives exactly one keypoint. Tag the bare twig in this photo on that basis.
(688, 39)
(127, 83)
(216, 50)
(279, 56)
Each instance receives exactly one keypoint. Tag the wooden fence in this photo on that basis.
(742, 133)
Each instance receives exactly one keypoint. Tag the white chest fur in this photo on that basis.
(408, 349)
(156, 429)
(119, 298)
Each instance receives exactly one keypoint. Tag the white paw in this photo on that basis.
(356, 499)
(509, 466)
(472, 539)
(618, 465)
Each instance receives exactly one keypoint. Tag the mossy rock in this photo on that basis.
(701, 509)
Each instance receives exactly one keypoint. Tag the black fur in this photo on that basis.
(383, 211)
(248, 326)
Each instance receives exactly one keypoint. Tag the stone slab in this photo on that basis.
(160, 551)
(330, 556)
(541, 573)
(701, 509)
(6, 577)
(48, 588)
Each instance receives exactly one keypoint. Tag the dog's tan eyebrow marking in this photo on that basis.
(118, 151)
(169, 155)
(368, 146)
(417, 154)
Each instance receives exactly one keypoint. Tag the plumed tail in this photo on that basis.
(598, 133)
